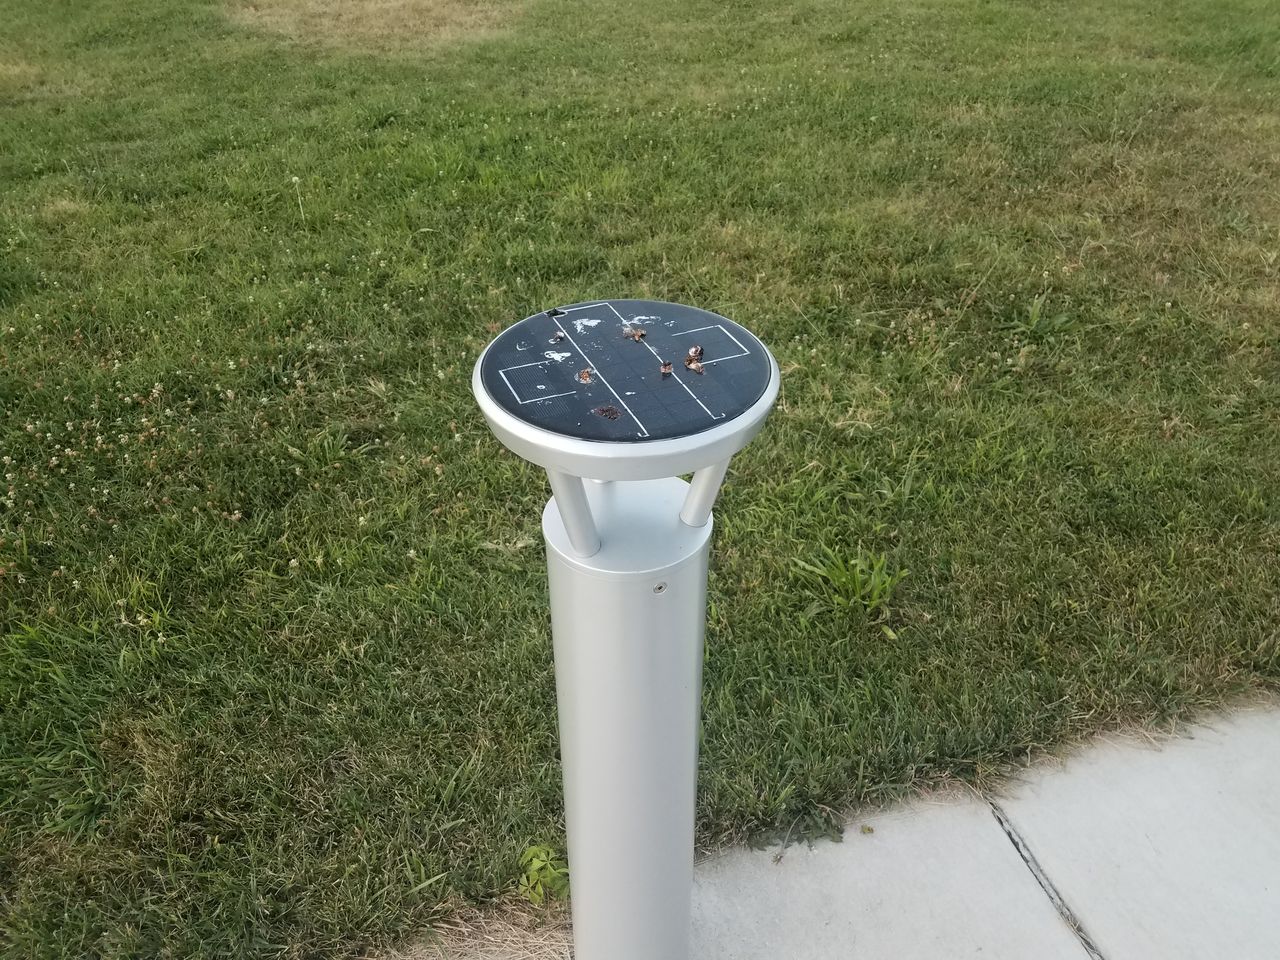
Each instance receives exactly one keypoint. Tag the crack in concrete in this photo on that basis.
(1059, 904)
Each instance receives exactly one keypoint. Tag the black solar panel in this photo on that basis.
(596, 370)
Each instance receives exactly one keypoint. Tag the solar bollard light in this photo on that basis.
(628, 395)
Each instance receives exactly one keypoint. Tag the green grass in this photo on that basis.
(275, 677)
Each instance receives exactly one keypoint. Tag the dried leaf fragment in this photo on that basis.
(608, 412)
(667, 369)
(695, 353)
(584, 375)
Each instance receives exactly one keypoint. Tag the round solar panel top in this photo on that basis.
(626, 371)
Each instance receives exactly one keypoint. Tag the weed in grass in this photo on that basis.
(544, 875)
(907, 489)
(1037, 323)
(864, 583)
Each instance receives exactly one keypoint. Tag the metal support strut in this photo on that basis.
(575, 512)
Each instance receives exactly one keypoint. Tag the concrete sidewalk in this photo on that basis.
(1126, 850)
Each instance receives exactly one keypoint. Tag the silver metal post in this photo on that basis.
(627, 630)
(632, 394)
(702, 494)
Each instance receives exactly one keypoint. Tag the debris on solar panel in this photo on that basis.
(584, 375)
(608, 412)
(634, 333)
(667, 368)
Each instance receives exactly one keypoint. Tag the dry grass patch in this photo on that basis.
(17, 71)
(63, 208)
(377, 24)
(18, 75)
(510, 931)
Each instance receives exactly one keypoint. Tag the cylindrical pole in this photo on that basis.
(627, 559)
(627, 629)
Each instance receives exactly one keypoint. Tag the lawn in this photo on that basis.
(275, 673)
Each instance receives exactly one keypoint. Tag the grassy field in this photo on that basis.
(275, 676)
